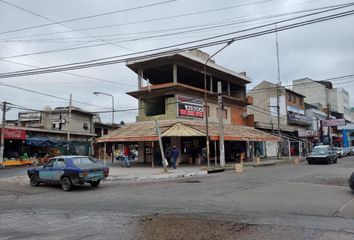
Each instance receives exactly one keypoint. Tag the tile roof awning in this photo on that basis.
(146, 131)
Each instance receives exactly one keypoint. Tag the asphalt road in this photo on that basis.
(278, 202)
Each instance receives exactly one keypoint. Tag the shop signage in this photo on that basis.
(190, 107)
(333, 122)
(299, 119)
(14, 134)
(307, 133)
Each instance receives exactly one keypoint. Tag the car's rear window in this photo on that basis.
(83, 161)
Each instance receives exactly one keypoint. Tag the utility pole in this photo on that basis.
(206, 111)
(278, 91)
(221, 126)
(158, 131)
(328, 113)
(68, 126)
(2, 144)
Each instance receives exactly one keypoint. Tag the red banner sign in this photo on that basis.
(190, 107)
(14, 134)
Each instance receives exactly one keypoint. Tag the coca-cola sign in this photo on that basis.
(14, 134)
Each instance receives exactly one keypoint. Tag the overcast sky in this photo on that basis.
(319, 51)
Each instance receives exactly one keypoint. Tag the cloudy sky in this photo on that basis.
(318, 51)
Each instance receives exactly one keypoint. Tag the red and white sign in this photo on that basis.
(333, 122)
(14, 134)
(190, 107)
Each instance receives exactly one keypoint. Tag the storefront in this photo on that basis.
(188, 136)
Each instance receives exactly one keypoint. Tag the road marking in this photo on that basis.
(345, 205)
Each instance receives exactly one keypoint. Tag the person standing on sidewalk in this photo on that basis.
(126, 153)
(174, 155)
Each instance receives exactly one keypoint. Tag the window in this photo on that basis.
(85, 126)
(225, 113)
(50, 163)
(301, 101)
(294, 98)
(289, 97)
(60, 163)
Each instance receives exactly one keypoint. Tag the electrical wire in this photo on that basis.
(80, 18)
(94, 62)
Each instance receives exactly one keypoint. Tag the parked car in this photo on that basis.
(68, 171)
(351, 181)
(347, 151)
(339, 151)
(322, 154)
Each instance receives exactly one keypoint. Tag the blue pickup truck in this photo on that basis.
(68, 171)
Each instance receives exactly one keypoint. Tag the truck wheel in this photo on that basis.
(66, 184)
(95, 183)
(34, 181)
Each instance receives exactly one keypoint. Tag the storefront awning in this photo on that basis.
(146, 131)
(182, 130)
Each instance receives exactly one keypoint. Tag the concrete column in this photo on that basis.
(140, 78)
(174, 73)
(152, 154)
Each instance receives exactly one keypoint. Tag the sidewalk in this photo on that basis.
(142, 172)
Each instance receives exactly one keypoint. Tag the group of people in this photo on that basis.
(172, 154)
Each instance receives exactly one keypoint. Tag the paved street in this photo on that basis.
(276, 202)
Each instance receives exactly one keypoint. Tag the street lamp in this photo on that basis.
(110, 95)
(206, 100)
(102, 93)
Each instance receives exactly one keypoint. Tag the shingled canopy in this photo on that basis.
(146, 131)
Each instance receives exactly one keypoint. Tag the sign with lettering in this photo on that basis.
(190, 107)
(14, 134)
(333, 122)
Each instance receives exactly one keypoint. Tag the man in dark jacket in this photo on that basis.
(174, 155)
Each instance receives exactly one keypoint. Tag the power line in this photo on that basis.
(80, 18)
(48, 95)
(176, 45)
(62, 24)
(91, 63)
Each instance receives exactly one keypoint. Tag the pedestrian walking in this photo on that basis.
(126, 153)
(174, 155)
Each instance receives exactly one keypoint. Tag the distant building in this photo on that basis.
(292, 114)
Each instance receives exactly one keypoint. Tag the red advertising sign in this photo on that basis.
(14, 134)
(190, 107)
